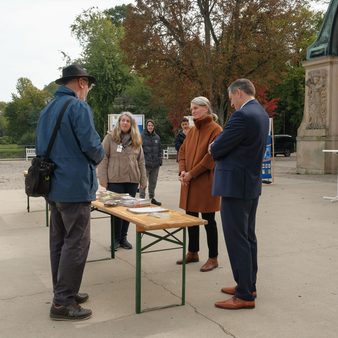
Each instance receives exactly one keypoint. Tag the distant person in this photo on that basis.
(122, 169)
(151, 143)
(238, 153)
(180, 137)
(76, 152)
(196, 173)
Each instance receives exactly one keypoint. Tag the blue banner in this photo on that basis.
(266, 165)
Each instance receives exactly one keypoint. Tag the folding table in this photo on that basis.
(160, 229)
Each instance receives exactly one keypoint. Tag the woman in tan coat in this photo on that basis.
(196, 172)
(123, 168)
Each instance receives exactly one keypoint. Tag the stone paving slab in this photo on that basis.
(297, 280)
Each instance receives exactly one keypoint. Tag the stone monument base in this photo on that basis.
(310, 158)
(319, 128)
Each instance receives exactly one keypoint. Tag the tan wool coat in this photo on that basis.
(194, 157)
(127, 166)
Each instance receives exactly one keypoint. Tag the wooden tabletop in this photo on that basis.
(146, 222)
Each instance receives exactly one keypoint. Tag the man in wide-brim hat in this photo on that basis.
(76, 78)
(72, 72)
(76, 151)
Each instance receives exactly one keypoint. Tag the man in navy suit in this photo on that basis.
(238, 153)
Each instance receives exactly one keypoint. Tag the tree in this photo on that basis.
(22, 112)
(270, 105)
(291, 88)
(51, 88)
(291, 101)
(117, 14)
(3, 119)
(197, 47)
(2, 107)
(138, 99)
(102, 56)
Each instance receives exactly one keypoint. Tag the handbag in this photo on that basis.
(38, 178)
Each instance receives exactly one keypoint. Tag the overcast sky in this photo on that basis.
(33, 34)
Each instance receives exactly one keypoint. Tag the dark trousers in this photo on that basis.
(152, 175)
(239, 220)
(211, 230)
(69, 245)
(121, 226)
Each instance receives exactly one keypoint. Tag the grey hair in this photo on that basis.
(244, 85)
(203, 101)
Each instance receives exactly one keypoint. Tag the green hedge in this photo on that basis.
(12, 151)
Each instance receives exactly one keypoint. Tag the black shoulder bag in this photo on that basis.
(38, 178)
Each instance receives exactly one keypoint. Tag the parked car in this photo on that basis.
(284, 144)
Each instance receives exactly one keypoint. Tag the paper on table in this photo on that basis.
(147, 210)
(162, 215)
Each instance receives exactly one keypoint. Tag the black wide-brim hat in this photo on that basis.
(73, 71)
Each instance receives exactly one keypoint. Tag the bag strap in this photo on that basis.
(56, 128)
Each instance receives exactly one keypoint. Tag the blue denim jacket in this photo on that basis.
(76, 151)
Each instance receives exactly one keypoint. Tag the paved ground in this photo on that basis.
(297, 281)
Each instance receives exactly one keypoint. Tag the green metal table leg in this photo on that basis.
(183, 265)
(138, 273)
(112, 236)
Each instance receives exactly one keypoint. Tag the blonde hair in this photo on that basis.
(203, 101)
(135, 135)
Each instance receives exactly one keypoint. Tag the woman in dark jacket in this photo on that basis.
(151, 144)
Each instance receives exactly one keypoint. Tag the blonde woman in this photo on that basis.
(123, 168)
(196, 173)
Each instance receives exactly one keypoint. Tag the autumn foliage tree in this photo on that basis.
(188, 48)
(270, 105)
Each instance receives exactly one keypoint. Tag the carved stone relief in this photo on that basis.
(317, 99)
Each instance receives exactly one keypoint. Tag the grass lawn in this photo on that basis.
(12, 151)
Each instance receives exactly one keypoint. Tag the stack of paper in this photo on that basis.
(146, 210)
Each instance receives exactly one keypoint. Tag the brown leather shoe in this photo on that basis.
(191, 257)
(235, 303)
(209, 265)
(232, 290)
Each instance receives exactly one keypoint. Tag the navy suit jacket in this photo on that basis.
(238, 153)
